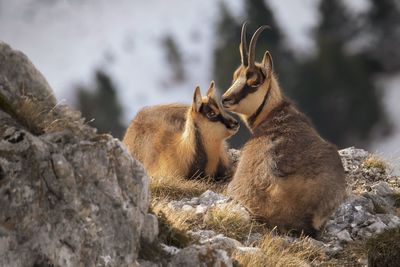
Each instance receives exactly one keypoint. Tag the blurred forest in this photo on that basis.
(335, 85)
(100, 106)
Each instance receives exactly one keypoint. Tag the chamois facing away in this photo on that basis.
(178, 140)
(288, 175)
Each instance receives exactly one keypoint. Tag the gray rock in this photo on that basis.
(333, 248)
(382, 189)
(201, 209)
(201, 256)
(150, 229)
(352, 154)
(199, 205)
(170, 250)
(363, 216)
(344, 235)
(377, 227)
(209, 198)
(202, 235)
(222, 242)
(187, 208)
(69, 197)
(22, 86)
(248, 249)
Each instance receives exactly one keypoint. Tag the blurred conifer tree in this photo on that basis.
(101, 104)
(383, 26)
(335, 87)
(174, 59)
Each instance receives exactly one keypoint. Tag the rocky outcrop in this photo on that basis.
(369, 209)
(68, 197)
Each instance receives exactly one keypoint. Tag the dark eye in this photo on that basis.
(249, 74)
(211, 114)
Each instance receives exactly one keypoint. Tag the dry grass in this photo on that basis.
(226, 219)
(374, 161)
(276, 251)
(176, 187)
(231, 222)
(384, 249)
(173, 224)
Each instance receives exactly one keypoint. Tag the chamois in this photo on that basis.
(287, 175)
(183, 140)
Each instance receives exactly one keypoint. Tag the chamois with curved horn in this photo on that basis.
(287, 175)
(178, 140)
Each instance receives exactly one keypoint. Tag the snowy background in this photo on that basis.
(68, 40)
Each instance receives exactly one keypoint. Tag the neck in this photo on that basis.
(272, 98)
(205, 149)
(186, 145)
(213, 147)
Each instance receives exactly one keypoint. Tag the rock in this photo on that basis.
(356, 216)
(383, 189)
(377, 227)
(201, 209)
(202, 235)
(187, 208)
(24, 92)
(150, 231)
(344, 235)
(222, 242)
(333, 248)
(194, 201)
(247, 249)
(170, 250)
(209, 198)
(69, 197)
(352, 154)
(201, 256)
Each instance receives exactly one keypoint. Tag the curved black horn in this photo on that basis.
(243, 45)
(253, 43)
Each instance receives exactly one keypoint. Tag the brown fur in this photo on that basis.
(179, 140)
(287, 175)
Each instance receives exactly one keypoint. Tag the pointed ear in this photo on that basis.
(197, 101)
(211, 89)
(267, 64)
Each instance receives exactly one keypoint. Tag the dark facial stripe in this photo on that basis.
(247, 89)
(254, 116)
(198, 166)
(218, 118)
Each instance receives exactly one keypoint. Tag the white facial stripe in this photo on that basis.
(236, 86)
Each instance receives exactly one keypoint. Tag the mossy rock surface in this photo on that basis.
(384, 249)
